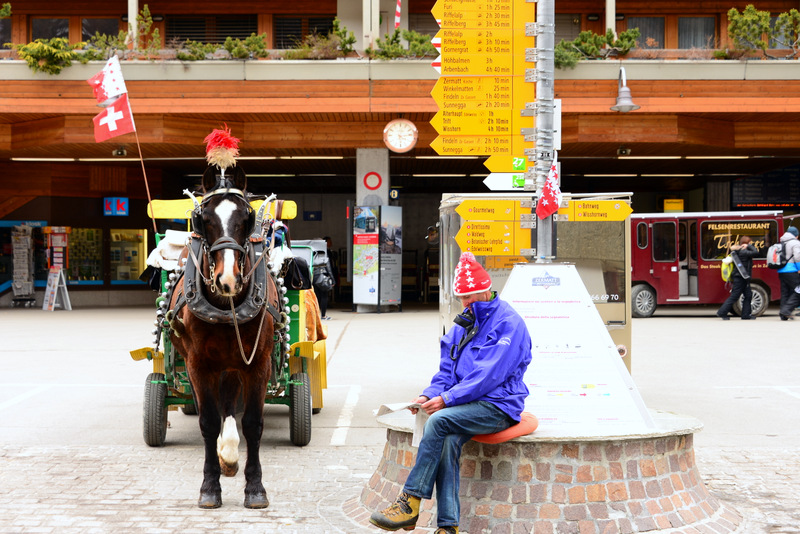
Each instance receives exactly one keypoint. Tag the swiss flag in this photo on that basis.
(114, 120)
(551, 193)
(108, 83)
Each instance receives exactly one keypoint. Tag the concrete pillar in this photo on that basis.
(372, 176)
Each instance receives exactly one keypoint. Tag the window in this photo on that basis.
(211, 29)
(641, 235)
(290, 31)
(423, 23)
(696, 32)
(664, 241)
(568, 26)
(775, 44)
(42, 28)
(715, 236)
(127, 255)
(89, 27)
(5, 31)
(86, 256)
(651, 29)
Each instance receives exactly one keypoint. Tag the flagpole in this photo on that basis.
(146, 186)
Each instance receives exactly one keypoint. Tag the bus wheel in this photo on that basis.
(643, 299)
(759, 302)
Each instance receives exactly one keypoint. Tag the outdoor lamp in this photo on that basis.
(624, 102)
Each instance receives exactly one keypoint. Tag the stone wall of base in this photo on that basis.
(608, 487)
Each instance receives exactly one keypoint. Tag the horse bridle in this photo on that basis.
(254, 221)
(198, 227)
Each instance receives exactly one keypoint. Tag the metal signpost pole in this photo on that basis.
(543, 110)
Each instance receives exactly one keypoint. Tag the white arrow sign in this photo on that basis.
(505, 181)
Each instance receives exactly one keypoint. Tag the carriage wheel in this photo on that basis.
(155, 410)
(190, 409)
(300, 409)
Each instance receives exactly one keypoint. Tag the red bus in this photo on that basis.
(676, 258)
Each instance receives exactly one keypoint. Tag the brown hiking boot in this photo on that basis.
(446, 530)
(403, 513)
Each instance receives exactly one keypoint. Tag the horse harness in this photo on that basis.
(190, 280)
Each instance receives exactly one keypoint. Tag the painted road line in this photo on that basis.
(345, 416)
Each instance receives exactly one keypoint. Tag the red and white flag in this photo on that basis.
(397, 13)
(108, 83)
(114, 120)
(551, 193)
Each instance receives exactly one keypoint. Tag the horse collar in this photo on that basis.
(254, 301)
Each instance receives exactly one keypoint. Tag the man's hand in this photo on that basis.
(433, 405)
(422, 399)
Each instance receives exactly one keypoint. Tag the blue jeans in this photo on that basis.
(439, 453)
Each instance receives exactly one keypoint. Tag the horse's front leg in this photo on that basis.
(210, 426)
(255, 496)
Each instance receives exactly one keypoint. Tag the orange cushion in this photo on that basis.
(527, 424)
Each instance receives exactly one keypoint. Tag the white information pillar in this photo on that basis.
(579, 385)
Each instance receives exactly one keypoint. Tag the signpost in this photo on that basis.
(482, 89)
(595, 210)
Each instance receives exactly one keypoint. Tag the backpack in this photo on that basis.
(776, 256)
(726, 269)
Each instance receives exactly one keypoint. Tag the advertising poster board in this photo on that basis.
(366, 255)
(391, 254)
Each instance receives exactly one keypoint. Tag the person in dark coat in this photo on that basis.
(743, 255)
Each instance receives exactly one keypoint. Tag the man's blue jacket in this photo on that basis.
(489, 367)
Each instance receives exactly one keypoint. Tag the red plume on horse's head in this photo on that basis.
(221, 148)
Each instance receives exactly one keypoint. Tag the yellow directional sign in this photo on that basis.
(464, 12)
(486, 64)
(474, 145)
(473, 92)
(482, 238)
(473, 122)
(491, 210)
(475, 41)
(596, 210)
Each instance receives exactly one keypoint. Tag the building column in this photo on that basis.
(372, 176)
(611, 16)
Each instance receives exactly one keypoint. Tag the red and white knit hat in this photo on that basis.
(470, 276)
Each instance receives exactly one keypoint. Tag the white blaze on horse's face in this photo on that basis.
(229, 281)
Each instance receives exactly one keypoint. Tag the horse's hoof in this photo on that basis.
(257, 500)
(210, 500)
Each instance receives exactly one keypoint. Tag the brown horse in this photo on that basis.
(225, 322)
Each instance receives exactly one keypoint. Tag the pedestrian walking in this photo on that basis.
(789, 275)
(743, 255)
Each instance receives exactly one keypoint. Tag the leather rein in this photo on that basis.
(257, 298)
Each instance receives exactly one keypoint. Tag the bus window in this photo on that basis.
(693, 240)
(715, 236)
(664, 241)
(641, 235)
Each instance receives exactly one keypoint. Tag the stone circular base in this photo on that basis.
(544, 485)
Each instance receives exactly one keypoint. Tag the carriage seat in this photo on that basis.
(167, 252)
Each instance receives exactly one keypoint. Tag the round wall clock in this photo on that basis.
(400, 135)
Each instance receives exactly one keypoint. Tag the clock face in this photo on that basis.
(400, 135)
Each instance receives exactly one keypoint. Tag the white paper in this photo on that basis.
(419, 420)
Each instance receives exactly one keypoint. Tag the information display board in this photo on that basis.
(579, 385)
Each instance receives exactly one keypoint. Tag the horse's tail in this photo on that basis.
(228, 447)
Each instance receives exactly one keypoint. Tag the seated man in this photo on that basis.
(479, 389)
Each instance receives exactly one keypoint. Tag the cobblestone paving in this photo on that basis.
(153, 490)
(763, 484)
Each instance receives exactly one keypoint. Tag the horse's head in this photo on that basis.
(225, 222)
